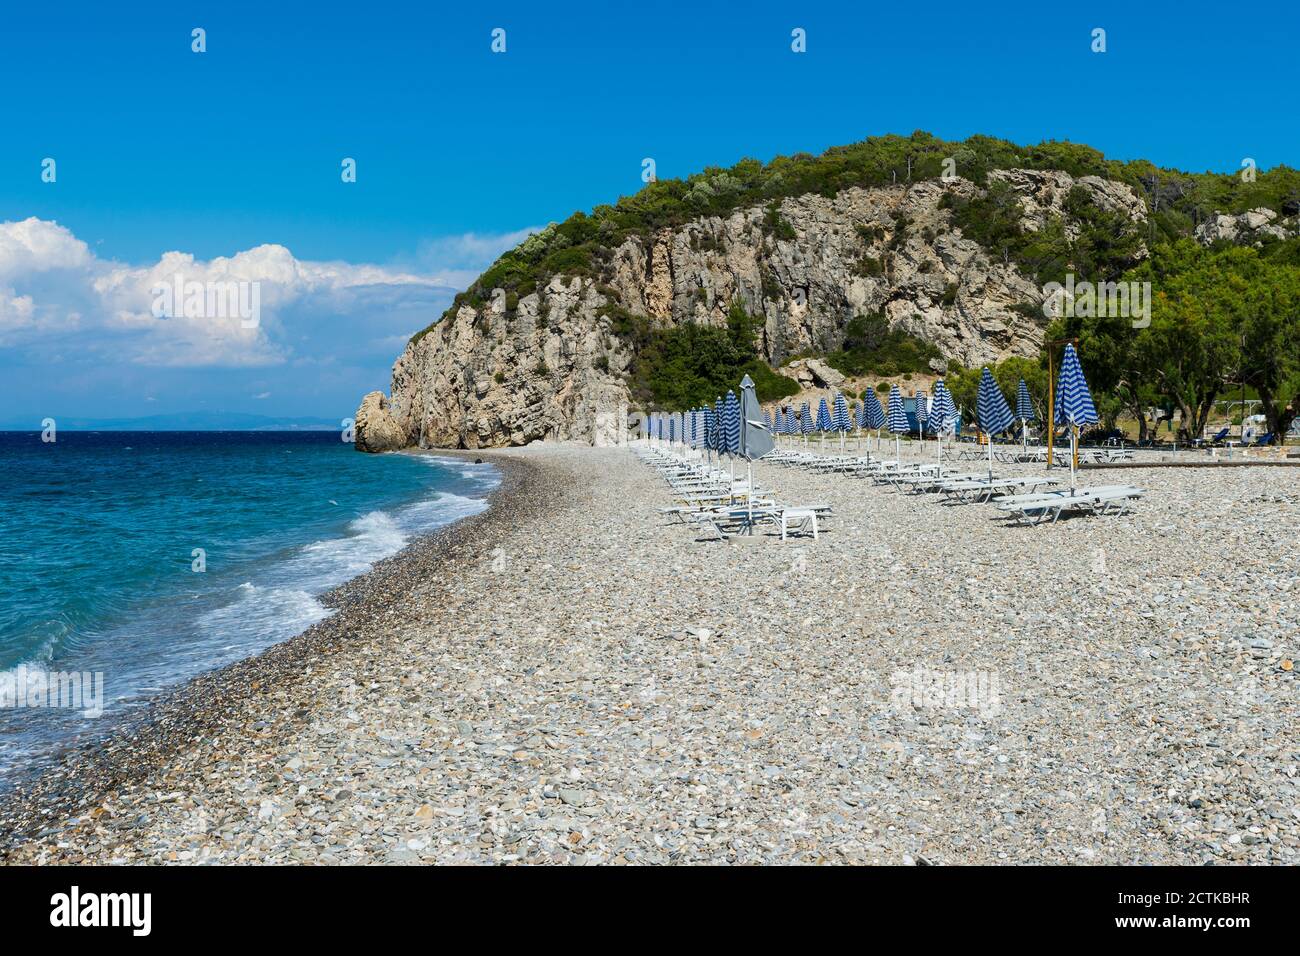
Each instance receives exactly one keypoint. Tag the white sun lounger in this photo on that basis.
(1107, 499)
(978, 489)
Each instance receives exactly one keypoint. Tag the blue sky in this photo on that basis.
(160, 150)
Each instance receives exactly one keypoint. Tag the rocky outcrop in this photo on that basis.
(1252, 227)
(813, 373)
(552, 364)
(376, 431)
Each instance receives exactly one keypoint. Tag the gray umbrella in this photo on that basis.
(755, 437)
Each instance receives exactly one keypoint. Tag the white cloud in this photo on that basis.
(35, 245)
(52, 285)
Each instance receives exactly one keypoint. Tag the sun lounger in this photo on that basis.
(1107, 499)
(978, 489)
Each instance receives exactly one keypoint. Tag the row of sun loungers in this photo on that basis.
(1038, 456)
(1023, 499)
(720, 505)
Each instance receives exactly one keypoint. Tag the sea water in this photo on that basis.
(149, 557)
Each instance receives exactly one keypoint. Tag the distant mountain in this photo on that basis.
(182, 422)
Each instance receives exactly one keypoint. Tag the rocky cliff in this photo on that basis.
(551, 364)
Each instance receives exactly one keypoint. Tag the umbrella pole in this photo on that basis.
(990, 459)
(1074, 457)
(749, 499)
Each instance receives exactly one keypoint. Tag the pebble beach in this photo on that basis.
(568, 679)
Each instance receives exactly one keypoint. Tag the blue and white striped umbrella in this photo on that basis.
(943, 413)
(874, 414)
(719, 427)
(693, 433)
(823, 417)
(778, 426)
(922, 410)
(672, 429)
(805, 419)
(733, 424)
(1024, 405)
(1024, 412)
(943, 416)
(991, 408)
(767, 421)
(1073, 402)
(707, 436)
(897, 420)
(841, 420)
(659, 422)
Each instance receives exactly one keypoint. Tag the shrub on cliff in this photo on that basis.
(871, 347)
(689, 365)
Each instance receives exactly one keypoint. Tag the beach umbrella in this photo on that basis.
(805, 421)
(922, 415)
(710, 427)
(1024, 412)
(823, 422)
(731, 429)
(732, 407)
(991, 408)
(767, 416)
(781, 427)
(1073, 403)
(873, 414)
(672, 429)
(897, 420)
(719, 428)
(943, 416)
(753, 438)
(841, 420)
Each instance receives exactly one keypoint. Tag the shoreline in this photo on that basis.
(141, 741)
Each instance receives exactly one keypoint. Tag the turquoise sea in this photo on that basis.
(149, 557)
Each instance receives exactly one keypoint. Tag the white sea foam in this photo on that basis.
(263, 615)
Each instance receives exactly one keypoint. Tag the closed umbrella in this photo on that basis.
(805, 422)
(731, 429)
(922, 415)
(823, 421)
(897, 419)
(719, 429)
(753, 438)
(841, 421)
(943, 416)
(873, 415)
(710, 430)
(1074, 405)
(991, 408)
(1024, 412)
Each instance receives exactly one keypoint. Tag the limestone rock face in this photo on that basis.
(552, 366)
(376, 431)
(1248, 228)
